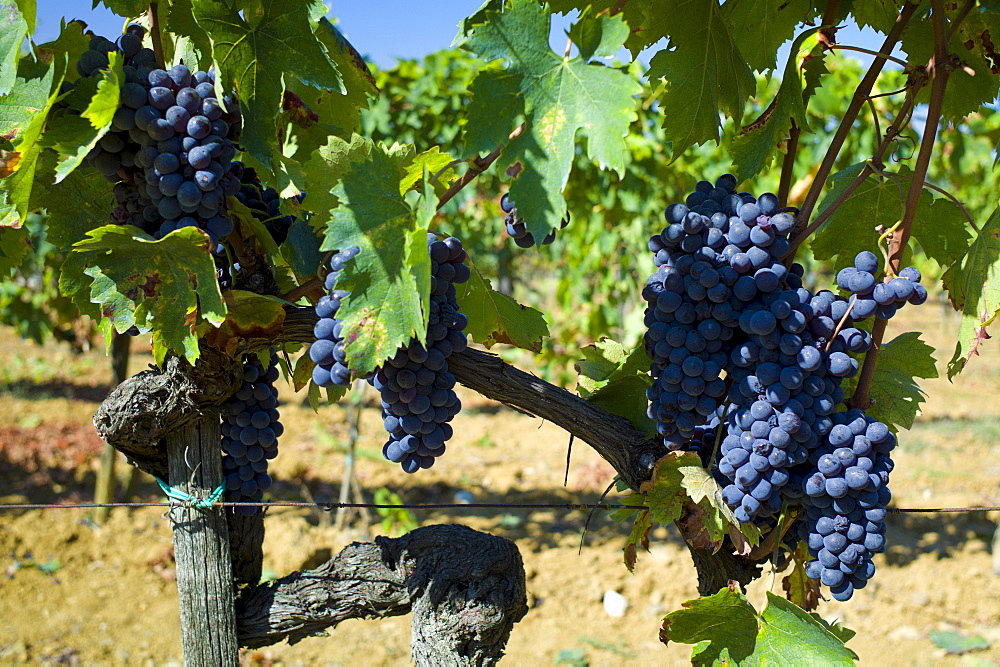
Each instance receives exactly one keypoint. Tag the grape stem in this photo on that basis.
(788, 163)
(477, 166)
(851, 114)
(154, 32)
(939, 67)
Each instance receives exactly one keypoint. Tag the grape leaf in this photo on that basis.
(939, 227)
(13, 29)
(725, 620)
(879, 14)
(665, 493)
(851, 228)
(256, 45)
(383, 311)
(191, 42)
(164, 285)
(301, 248)
(126, 8)
(600, 361)
(705, 74)
(773, 23)
(14, 245)
(433, 160)
(753, 147)
(966, 92)
(897, 396)
(497, 318)
(726, 629)
(75, 136)
(248, 315)
(326, 166)
(973, 285)
(28, 9)
(561, 96)
(22, 104)
(90, 194)
(790, 636)
(599, 36)
(638, 538)
(646, 19)
(800, 589)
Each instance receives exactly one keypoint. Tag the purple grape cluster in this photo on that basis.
(264, 203)
(722, 301)
(328, 351)
(170, 146)
(417, 391)
(519, 231)
(250, 432)
(879, 298)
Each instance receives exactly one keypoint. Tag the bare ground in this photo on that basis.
(74, 592)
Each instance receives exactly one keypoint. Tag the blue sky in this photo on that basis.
(381, 30)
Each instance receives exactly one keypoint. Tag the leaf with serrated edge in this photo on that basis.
(561, 97)
(973, 285)
(800, 589)
(724, 621)
(497, 318)
(773, 23)
(253, 50)
(705, 74)
(896, 394)
(753, 148)
(851, 228)
(165, 285)
(601, 359)
(790, 636)
(383, 310)
(638, 538)
(599, 36)
(13, 29)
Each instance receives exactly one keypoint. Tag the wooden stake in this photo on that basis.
(201, 548)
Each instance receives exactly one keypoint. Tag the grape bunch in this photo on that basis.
(250, 432)
(170, 146)
(723, 304)
(264, 203)
(328, 350)
(417, 391)
(519, 231)
(879, 298)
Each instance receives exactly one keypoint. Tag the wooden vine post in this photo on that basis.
(201, 547)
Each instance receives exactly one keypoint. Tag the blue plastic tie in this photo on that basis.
(188, 500)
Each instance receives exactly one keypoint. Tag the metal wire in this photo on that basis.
(433, 506)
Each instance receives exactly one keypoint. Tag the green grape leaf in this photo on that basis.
(724, 621)
(13, 30)
(302, 373)
(301, 248)
(494, 93)
(939, 227)
(896, 394)
(966, 92)
(598, 36)
(248, 315)
(665, 492)
(327, 165)
(760, 27)
(191, 42)
(383, 311)
(600, 361)
(647, 22)
(726, 629)
(791, 636)
(126, 8)
(851, 228)
(705, 74)
(163, 286)
(753, 147)
(561, 96)
(22, 104)
(90, 194)
(253, 47)
(878, 14)
(28, 9)
(973, 285)
(14, 246)
(75, 136)
(433, 160)
(497, 318)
